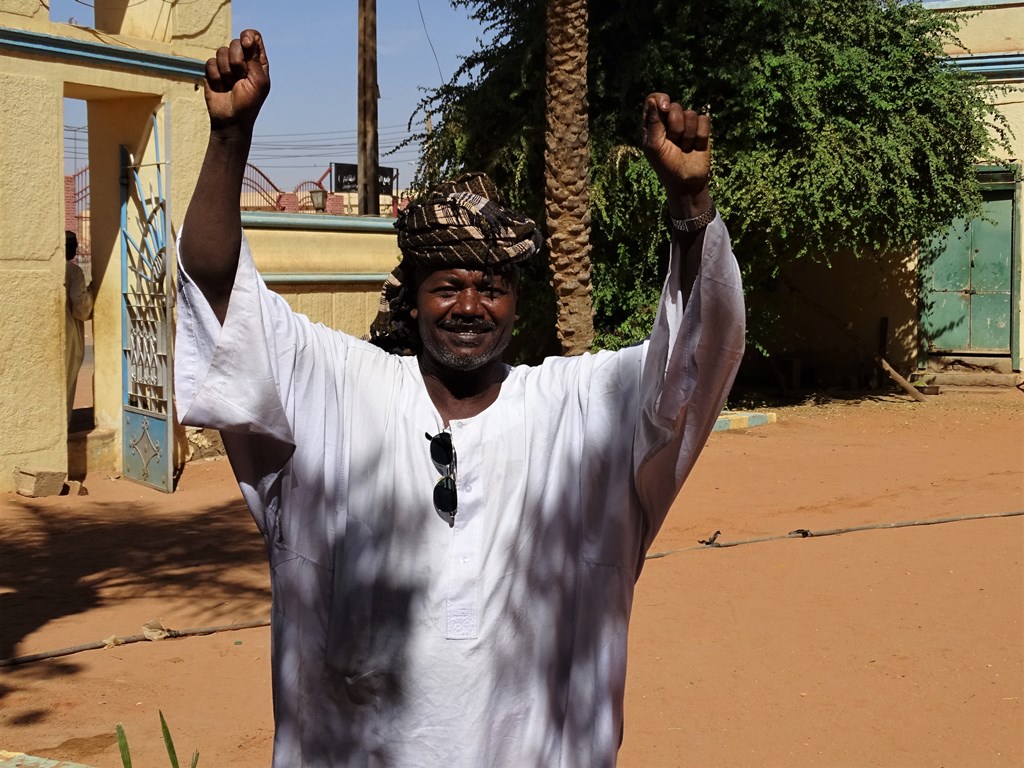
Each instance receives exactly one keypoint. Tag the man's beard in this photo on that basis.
(466, 362)
(471, 362)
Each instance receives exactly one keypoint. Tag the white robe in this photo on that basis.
(397, 640)
(77, 309)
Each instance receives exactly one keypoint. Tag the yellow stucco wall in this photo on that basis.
(347, 306)
(998, 29)
(180, 28)
(32, 411)
(27, 9)
(324, 251)
(995, 30)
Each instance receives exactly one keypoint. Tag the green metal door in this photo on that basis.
(968, 282)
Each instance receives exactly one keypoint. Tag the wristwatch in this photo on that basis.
(697, 223)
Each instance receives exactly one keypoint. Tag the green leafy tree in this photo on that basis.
(839, 127)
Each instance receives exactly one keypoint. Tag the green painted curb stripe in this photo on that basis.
(320, 221)
(743, 421)
(325, 278)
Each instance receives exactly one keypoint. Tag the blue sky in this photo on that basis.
(310, 118)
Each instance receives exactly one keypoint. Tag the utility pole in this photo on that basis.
(366, 178)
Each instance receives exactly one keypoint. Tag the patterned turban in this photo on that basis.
(461, 223)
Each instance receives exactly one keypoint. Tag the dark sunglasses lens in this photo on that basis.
(441, 450)
(446, 498)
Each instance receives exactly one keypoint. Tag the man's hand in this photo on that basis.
(677, 144)
(237, 82)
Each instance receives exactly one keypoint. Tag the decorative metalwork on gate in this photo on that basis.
(147, 375)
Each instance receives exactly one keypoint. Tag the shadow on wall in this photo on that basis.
(826, 325)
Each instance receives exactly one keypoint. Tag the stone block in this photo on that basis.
(203, 443)
(36, 481)
(75, 488)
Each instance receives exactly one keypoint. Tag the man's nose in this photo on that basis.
(467, 303)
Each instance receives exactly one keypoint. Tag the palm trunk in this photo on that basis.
(567, 165)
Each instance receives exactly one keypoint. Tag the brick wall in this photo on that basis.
(70, 221)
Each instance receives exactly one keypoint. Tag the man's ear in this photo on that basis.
(414, 313)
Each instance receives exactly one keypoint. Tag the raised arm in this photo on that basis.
(237, 84)
(677, 144)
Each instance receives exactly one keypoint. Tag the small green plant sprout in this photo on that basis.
(126, 758)
(122, 744)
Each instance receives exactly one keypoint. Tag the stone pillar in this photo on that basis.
(32, 336)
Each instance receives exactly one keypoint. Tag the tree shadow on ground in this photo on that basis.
(57, 563)
(743, 399)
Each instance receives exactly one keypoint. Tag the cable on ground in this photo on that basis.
(804, 533)
(152, 631)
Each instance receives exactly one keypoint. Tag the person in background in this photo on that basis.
(77, 309)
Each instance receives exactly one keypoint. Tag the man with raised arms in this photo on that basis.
(453, 542)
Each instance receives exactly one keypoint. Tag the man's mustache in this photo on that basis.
(471, 326)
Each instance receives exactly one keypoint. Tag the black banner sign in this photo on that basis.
(346, 176)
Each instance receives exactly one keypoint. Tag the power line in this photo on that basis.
(429, 41)
(383, 128)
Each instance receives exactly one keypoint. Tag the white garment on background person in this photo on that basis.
(78, 309)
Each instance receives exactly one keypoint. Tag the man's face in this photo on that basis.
(465, 317)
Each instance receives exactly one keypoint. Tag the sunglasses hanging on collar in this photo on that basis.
(446, 496)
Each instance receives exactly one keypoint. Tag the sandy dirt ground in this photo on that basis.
(887, 646)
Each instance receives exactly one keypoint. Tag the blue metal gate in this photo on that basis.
(147, 378)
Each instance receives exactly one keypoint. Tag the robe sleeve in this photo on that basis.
(242, 378)
(689, 364)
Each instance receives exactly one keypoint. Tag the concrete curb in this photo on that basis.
(739, 420)
(19, 760)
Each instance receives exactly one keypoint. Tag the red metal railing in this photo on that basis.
(259, 193)
(80, 183)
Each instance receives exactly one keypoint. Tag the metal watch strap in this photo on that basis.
(697, 223)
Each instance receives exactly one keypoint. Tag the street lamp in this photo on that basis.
(318, 197)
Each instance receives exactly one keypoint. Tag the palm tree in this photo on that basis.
(567, 166)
